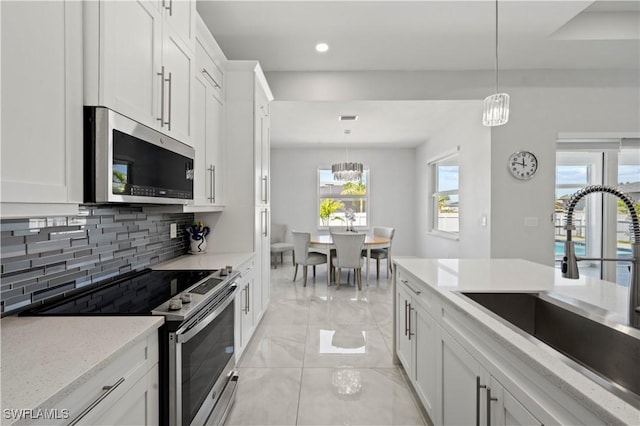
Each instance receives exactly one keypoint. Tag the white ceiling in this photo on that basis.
(413, 36)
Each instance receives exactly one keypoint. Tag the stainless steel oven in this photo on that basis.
(202, 379)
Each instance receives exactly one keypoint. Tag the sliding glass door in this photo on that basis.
(602, 223)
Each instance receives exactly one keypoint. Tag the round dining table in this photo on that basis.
(324, 242)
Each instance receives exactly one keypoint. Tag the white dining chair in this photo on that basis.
(302, 255)
(382, 253)
(279, 245)
(349, 247)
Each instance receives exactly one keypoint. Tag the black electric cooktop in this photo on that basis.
(134, 294)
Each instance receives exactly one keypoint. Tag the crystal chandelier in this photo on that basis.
(347, 171)
(496, 106)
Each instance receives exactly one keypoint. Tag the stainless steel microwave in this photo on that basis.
(127, 162)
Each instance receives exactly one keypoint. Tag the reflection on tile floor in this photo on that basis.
(322, 356)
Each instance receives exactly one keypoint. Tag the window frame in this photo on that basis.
(435, 194)
(366, 196)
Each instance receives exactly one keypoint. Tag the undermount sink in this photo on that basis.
(610, 356)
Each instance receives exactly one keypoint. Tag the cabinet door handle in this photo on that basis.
(248, 298)
(410, 333)
(489, 400)
(264, 189)
(265, 222)
(478, 387)
(169, 107)
(213, 80)
(170, 8)
(212, 180)
(106, 390)
(161, 75)
(406, 318)
(246, 304)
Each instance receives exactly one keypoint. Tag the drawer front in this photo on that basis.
(420, 293)
(110, 383)
(247, 267)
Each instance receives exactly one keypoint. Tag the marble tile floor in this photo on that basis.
(322, 356)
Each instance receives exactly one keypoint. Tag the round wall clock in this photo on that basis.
(523, 165)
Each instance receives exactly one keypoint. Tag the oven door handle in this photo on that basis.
(186, 332)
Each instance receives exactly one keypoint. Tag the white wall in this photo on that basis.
(294, 188)
(537, 116)
(474, 142)
(543, 104)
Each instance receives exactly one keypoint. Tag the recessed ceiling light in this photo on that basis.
(322, 47)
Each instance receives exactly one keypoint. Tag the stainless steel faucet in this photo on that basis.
(570, 260)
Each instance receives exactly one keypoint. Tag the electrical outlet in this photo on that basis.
(530, 222)
(173, 230)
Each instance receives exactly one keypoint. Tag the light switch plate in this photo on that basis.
(531, 222)
(173, 230)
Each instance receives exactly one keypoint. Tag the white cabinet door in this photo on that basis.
(200, 163)
(138, 406)
(41, 104)
(177, 60)
(246, 294)
(425, 344)
(403, 342)
(215, 163)
(263, 259)
(265, 254)
(129, 80)
(208, 182)
(181, 15)
(244, 313)
(417, 339)
(138, 65)
(463, 398)
(262, 145)
(506, 410)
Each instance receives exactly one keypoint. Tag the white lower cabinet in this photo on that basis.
(462, 379)
(462, 375)
(470, 395)
(508, 410)
(245, 306)
(124, 392)
(416, 343)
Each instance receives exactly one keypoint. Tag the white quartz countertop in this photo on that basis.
(204, 261)
(607, 300)
(46, 356)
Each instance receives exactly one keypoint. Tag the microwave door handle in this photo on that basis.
(184, 334)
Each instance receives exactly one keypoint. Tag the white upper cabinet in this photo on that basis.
(181, 16)
(208, 123)
(262, 129)
(41, 107)
(127, 72)
(177, 62)
(149, 80)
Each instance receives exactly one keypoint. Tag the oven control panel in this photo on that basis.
(190, 301)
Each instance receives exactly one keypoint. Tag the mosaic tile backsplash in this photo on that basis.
(44, 257)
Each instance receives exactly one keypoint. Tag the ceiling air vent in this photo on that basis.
(347, 117)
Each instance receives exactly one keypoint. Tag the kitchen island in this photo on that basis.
(467, 365)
